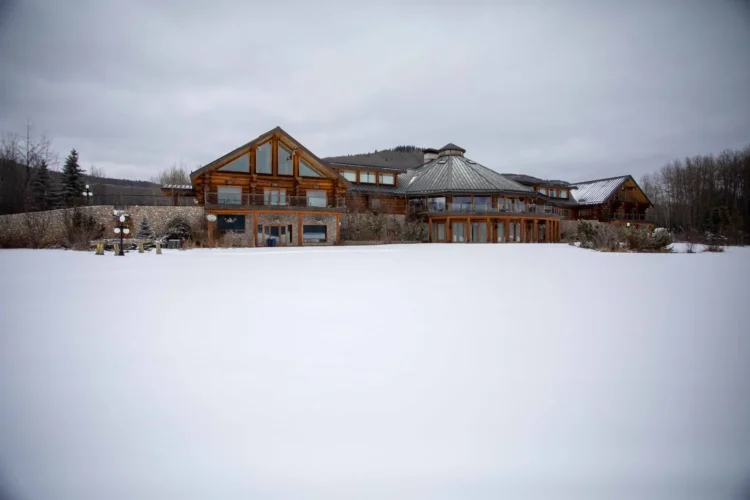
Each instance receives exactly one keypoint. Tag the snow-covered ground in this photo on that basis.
(392, 372)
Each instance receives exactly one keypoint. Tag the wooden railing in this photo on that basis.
(256, 200)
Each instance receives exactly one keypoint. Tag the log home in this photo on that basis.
(273, 190)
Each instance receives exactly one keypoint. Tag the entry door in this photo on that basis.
(277, 233)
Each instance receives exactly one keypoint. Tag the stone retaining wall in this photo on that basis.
(17, 227)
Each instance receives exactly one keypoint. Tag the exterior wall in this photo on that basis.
(529, 227)
(279, 219)
(361, 202)
(15, 226)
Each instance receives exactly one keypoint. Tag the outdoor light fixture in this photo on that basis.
(88, 194)
(122, 230)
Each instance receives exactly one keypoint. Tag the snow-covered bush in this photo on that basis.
(144, 230)
(178, 228)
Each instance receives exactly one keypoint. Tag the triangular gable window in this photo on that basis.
(241, 164)
(306, 171)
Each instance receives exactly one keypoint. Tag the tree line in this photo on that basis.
(705, 193)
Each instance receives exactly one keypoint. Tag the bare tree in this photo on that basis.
(173, 175)
(96, 172)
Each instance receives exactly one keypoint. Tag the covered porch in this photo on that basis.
(511, 229)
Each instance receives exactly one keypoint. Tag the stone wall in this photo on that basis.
(282, 219)
(18, 227)
(328, 220)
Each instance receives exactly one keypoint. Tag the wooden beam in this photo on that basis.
(535, 236)
(299, 230)
(338, 229)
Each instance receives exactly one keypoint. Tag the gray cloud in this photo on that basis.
(581, 90)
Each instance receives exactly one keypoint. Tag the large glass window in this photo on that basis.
(316, 198)
(367, 177)
(285, 161)
(234, 223)
(500, 232)
(230, 195)
(542, 190)
(479, 232)
(459, 232)
(438, 231)
(263, 159)
(437, 204)
(462, 203)
(314, 234)
(349, 175)
(553, 193)
(306, 170)
(273, 196)
(388, 179)
(241, 164)
(482, 203)
(502, 204)
(563, 193)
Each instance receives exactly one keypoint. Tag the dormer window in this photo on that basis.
(349, 175)
(367, 177)
(563, 193)
(388, 179)
(553, 193)
(542, 191)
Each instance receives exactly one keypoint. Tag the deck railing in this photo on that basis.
(269, 200)
(517, 208)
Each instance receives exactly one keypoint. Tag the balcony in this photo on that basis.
(282, 203)
(511, 208)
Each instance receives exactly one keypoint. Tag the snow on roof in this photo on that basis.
(177, 186)
(596, 192)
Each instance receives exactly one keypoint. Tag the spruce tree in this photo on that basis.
(72, 181)
(41, 189)
(144, 231)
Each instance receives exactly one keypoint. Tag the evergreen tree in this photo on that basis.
(73, 184)
(145, 232)
(41, 188)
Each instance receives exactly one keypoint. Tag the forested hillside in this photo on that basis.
(398, 157)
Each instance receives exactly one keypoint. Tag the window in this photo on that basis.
(314, 234)
(543, 191)
(438, 231)
(285, 161)
(563, 193)
(263, 159)
(500, 231)
(387, 179)
(565, 212)
(482, 203)
(479, 232)
(553, 193)
(459, 234)
(349, 175)
(260, 235)
(273, 196)
(503, 204)
(514, 230)
(241, 164)
(374, 203)
(316, 199)
(462, 203)
(306, 170)
(234, 223)
(436, 204)
(367, 177)
(230, 195)
(584, 212)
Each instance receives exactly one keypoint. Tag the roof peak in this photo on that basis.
(451, 149)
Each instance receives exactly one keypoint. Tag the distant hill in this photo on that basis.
(398, 157)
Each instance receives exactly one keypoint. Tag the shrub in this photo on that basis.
(714, 248)
(81, 229)
(642, 240)
(178, 228)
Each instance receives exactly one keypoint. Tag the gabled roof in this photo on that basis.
(258, 141)
(601, 190)
(457, 174)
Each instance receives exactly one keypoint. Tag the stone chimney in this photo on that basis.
(430, 154)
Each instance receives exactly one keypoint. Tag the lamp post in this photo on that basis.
(88, 194)
(122, 230)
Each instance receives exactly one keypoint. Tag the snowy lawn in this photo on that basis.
(392, 372)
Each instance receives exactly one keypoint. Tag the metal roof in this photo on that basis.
(596, 192)
(359, 166)
(457, 174)
(378, 189)
(530, 179)
(450, 145)
(178, 187)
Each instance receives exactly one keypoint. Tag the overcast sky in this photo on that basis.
(572, 90)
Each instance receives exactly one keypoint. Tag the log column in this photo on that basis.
(535, 235)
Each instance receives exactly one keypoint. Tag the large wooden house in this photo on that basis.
(273, 190)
